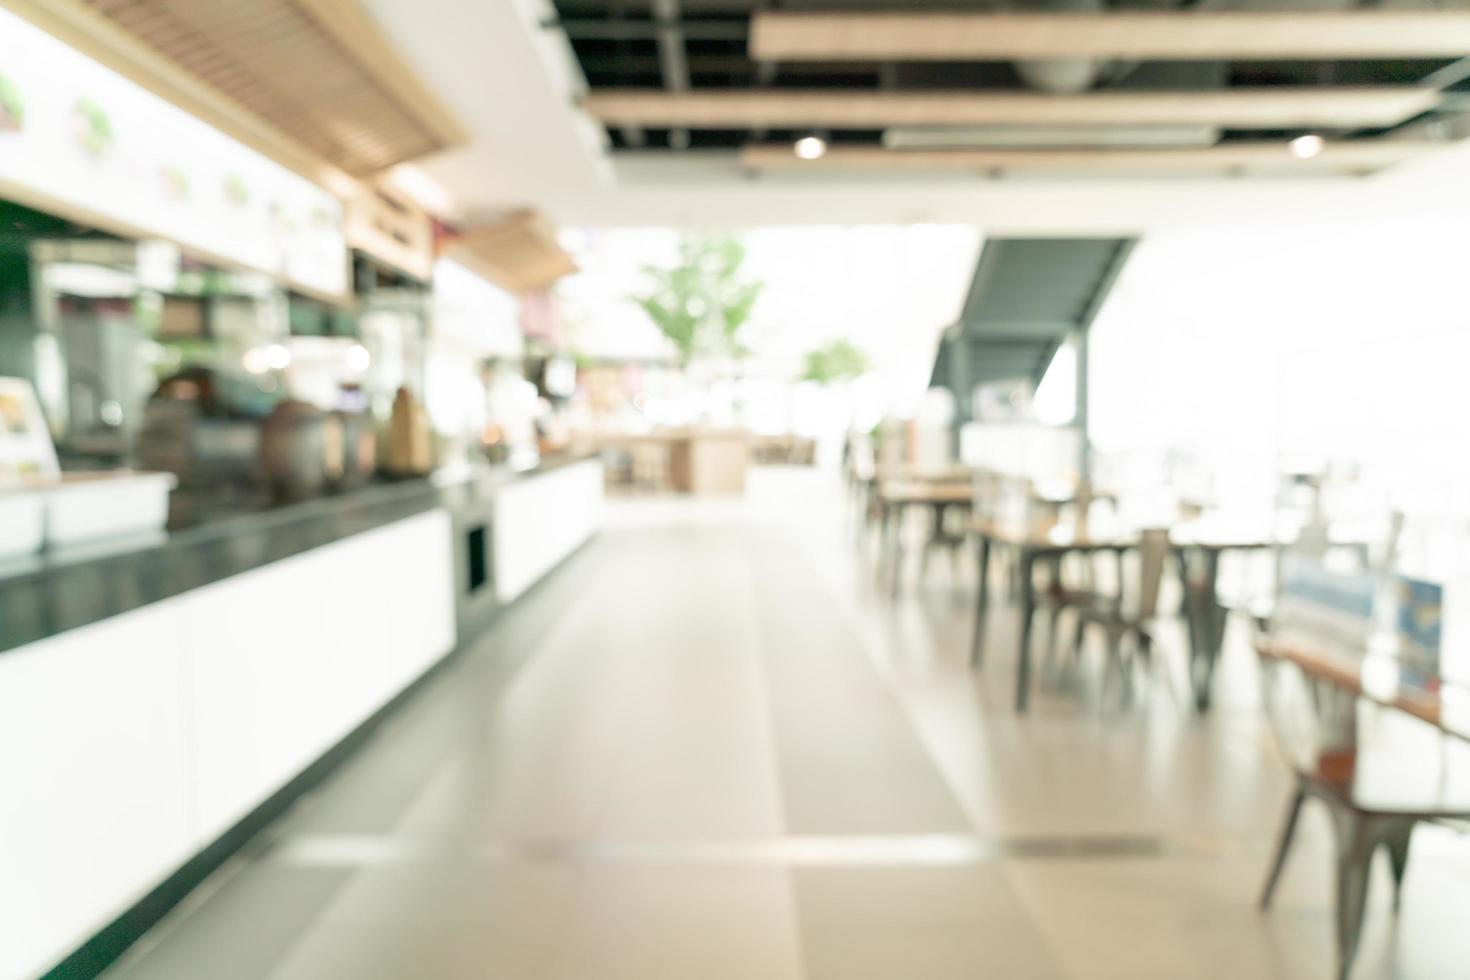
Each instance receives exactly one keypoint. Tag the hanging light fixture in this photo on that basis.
(1307, 147)
(811, 148)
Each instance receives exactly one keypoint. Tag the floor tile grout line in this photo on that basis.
(846, 606)
(760, 659)
(794, 851)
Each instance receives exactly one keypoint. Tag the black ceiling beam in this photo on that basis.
(673, 59)
(580, 29)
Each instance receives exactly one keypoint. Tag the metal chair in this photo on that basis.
(1130, 613)
(1373, 768)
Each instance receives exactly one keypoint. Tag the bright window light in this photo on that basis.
(1056, 397)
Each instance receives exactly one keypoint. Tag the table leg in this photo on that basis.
(982, 602)
(1026, 560)
(936, 521)
(898, 515)
(885, 538)
(1207, 633)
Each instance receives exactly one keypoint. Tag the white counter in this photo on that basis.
(128, 745)
(542, 518)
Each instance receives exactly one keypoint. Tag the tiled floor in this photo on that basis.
(711, 746)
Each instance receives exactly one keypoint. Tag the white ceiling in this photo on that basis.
(514, 85)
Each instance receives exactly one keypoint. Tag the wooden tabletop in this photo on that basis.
(925, 492)
(1062, 537)
(1376, 677)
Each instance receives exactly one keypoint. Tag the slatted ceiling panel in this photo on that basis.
(1354, 157)
(1263, 108)
(314, 69)
(520, 252)
(1142, 35)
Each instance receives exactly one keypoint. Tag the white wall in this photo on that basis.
(1242, 343)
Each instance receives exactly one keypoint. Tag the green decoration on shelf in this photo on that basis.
(95, 131)
(12, 109)
(237, 192)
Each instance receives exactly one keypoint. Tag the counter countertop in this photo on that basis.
(54, 591)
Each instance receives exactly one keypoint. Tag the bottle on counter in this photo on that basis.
(409, 442)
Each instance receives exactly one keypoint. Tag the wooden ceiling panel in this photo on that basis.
(1266, 108)
(520, 253)
(1359, 156)
(1144, 35)
(317, 70)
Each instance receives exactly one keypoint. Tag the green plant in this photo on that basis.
(702, 303)
(839, 360)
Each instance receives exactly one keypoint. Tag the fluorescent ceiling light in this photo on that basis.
(1148, 35)
(1020, 137)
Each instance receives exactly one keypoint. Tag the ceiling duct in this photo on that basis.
(1064, 75)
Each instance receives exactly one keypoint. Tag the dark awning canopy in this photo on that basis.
(1028, 295)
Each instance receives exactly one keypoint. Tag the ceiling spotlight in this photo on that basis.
(1306, 147)
(811, 147)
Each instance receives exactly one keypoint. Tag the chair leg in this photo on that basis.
(1283, 845)
(1355, 846)
(1114, 666)
(1049, 669)
(1077, 637)
(1396, 839)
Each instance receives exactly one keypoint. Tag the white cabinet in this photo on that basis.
(95, 805)
(128, 745)
(541, 519)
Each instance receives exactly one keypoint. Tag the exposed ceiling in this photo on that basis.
(661, 111)
(671, 76)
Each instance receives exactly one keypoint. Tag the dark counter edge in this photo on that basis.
(44, 595)
(108, 944)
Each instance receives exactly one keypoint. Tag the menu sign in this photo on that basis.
(26, 450)
(75, 133)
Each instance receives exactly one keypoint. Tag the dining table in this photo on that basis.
(895, 498)
(1028, 546)
(1382, 678)
(1197, 546)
